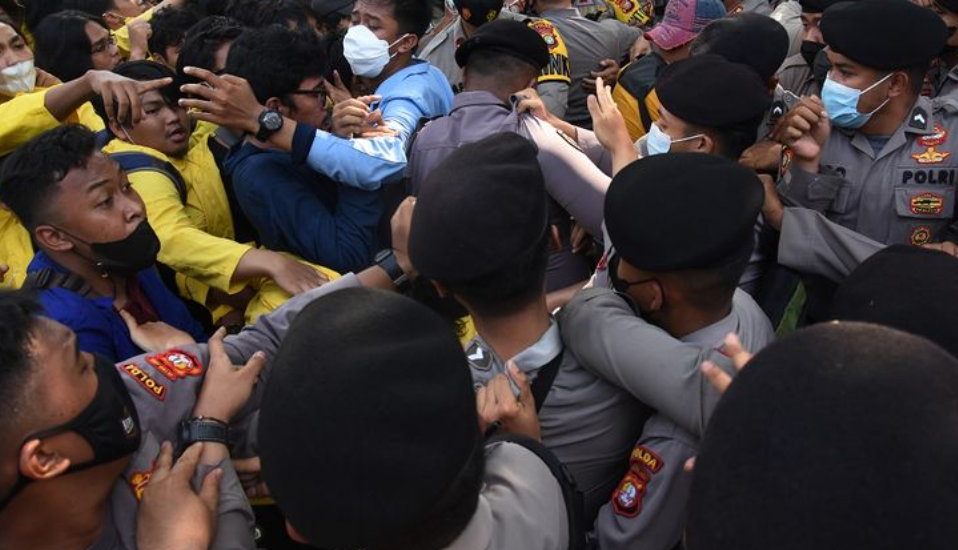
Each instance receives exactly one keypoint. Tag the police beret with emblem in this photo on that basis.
(905, 287)
(481, 208)
(368, 427)
(682, 211)
(509, 37)
(841, 435)
(707, 90)
(861, 32)
(817, 6)
(751, 39)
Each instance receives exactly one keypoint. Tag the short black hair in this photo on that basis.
(62, 45)
(712, 289)
(169, 27)
(493, 63)
(35, 11)
(289, 13)
(507, 290)
(414, 16)
(243, 11)
(201, 43)
(275, 60)
(18, 316)
(205, 8)
(332, 43)
(31, 173)
(732, 141)
(93, 7)
(142, 70)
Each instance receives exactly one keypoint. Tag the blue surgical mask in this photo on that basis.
(841, 103)
(658, 142)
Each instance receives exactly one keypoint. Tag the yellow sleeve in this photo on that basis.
(26, 116)
(559, 68)
(653, 105)
(16, 249)
(629, 107)
(184, 247)
(634, 13)
(122, 35)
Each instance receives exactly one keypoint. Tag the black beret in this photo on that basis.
(368, 419)
(884, 34)
(510, 37)
(480, 209)
(905, 287)
(707, 90)
(838, 436)
(479, 12)
(754, 40)
(682, 211)
(817, 6)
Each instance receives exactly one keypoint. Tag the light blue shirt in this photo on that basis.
(417, 91)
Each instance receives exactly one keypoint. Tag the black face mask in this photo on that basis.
(109, 424)
(820, 68)
(127, 256)
(810, 50)
(479, 12)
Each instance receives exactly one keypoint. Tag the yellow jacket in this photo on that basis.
(122, 35)
(197, 238)
(22, 118)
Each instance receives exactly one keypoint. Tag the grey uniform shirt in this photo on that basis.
(589, 42)
(944, 80)
(796, 76)
(164, 387)
(576, 172)
(588, 423)
(902, 194)
(648, 508)
(520, 505)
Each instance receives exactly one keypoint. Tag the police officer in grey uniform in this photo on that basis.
(797, 74)
(686, 285)
(378, 444)
(873, 155)
(499, 61)
(943, 75)
(482, 236)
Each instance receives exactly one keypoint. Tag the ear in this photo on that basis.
(275, 103)
(52, 238)
(440, 289)
(117, 131)
(39, 461)
(408, 43)
(555, 242)
(656, 294)
(899, 84)
(294, 534)
(706, 144)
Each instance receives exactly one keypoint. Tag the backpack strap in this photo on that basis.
(48, 278)
(132, 161)
(570, 492)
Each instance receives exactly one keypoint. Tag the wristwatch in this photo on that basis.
(203, 428)
(386, 259)
(270, 122)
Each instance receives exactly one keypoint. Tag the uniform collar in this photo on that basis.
(560, 13)
(919, 121)
(474, 99)
(531, 359)
(452, 31)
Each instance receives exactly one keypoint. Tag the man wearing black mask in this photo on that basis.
(95, 249)
(803, 74)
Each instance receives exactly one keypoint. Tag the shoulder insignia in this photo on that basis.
(631, 12)
(939, 137)
(627, 498)
(786, 163)
(919, 118)
(921, 235)
(559, 67)
(138, 482)
(479, 357)
(151, 386)
(931, 141)
(642, 456)
(175, 364)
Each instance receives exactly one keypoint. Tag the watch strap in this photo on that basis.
(200, 429)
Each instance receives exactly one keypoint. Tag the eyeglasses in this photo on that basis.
(320, 94)
(103, 45)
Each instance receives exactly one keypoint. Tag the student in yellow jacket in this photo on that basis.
(194, 224)
(32, 102)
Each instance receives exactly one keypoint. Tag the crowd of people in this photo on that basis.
(648, 275)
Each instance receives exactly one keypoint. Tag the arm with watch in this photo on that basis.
(365, 163)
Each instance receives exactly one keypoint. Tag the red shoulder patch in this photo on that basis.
(642, 456)
(627, 498)
(138, 482)
(175, 364)
(152, 387)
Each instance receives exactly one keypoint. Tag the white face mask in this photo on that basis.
(366, 53)
(19, 78)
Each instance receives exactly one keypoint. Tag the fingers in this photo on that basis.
(164, 461)
(215, 346)
(592, 103)
(369, 99)
(689, 465)
(716, 376)
(204, 75)
(130, 321)
(185, 467)
(339, 81)
(522, 380)
(210, 489)
(734, 349)
(143, 86)
(254, 366)
(136, 109)
(375, 117)
(197, 90)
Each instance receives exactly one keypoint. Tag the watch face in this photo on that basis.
(272, 120)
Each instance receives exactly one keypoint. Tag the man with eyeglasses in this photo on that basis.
(293, 207)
